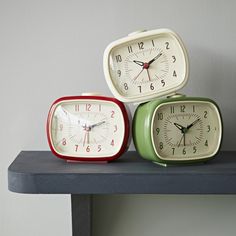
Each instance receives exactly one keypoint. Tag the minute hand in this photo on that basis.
(155, 58)
(189, 126)
(97, 124)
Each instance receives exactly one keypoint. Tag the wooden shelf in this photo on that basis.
(41, 172)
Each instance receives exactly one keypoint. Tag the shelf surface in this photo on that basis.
(40, 172)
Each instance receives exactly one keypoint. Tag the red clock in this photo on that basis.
(88, 128)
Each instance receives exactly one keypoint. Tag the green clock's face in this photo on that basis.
(186, 130)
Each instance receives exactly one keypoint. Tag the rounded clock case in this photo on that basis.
(141, 129)
(130, 38)
(127, 121)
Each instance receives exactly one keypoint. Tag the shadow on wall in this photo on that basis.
(213, 75)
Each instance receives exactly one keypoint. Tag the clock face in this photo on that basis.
(186, 130)
(88, 128)
(148, 65)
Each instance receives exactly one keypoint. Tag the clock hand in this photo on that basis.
(155, 58)
(140, 63)
(138, 74)
(85, 135)
(181, 140)
(180, 127)
(148, 75)
(88, 137)
(189, 126)
(183, 137)
(97, 124)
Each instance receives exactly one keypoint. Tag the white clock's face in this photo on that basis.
(147, 66)
(186, 130)
(87, 128)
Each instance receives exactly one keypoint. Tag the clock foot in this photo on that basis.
(160, 164)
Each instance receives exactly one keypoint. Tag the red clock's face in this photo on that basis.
(87, 128)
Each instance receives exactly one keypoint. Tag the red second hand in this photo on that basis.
(85, 137)
(138, 74)
(148, 75)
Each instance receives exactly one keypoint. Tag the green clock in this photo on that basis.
(177, 129)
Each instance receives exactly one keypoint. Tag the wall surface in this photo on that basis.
(50, 49)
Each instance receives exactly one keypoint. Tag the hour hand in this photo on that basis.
(140, 63)
(180, 127)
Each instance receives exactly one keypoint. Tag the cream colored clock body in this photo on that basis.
(146, 65)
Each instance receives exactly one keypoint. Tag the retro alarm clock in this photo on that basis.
(146, 65)
(177, 129)
(88, 128)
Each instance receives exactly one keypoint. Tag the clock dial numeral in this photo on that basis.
(208, 128)
(126, 86)
(112, 142)
(88, 149)
(160, 116)
(118, 58)
(76, 147)
(88, 107)
(130, 49)
(119, 73)
(182, 108)
(63, 141)
(141, 46)
(161, 145)
(167, 45)
(77, 107)
(99, 148)
(151, 86)
(163, 82)
(140, 89)
(174, 59)
(173, 151)
(153, 44)
(112, 114)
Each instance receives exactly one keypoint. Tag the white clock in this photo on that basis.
(146, 65)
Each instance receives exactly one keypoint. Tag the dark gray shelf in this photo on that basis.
(41, 172)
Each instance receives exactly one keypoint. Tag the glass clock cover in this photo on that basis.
(88, 128)
(146, 65)
(179, 130)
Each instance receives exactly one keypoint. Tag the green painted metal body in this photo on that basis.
(142, 128)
